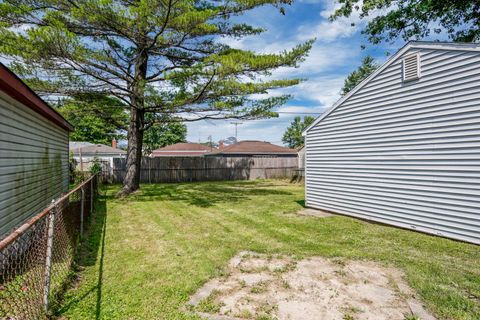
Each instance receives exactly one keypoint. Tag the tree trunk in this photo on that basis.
(131, 182)
(136, 126)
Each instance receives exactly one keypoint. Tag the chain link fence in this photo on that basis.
(36, 258)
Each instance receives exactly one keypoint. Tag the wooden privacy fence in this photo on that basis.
(186, 169)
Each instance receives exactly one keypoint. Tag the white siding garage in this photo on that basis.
(403, 147)
(33, 153)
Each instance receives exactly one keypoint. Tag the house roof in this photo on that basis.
(184, 146)
(254, 147)
(98, 149)
(78, 144)
(183, 149)
(18, 90)
(412, 44)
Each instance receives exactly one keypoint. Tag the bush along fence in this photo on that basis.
(186, 169)
(36, 258)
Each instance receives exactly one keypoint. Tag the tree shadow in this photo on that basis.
(301, 202)
(207, 194)
(91, 249)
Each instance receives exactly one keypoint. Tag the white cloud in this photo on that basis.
(301, 109)
(328, 31)
(323, 89)
(323, 57)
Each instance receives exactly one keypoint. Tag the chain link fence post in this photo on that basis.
(36, 257)
(48, 256)
(82, 209)
(91, 195)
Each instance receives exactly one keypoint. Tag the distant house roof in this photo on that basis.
(185, 149)
(97, 150)
(18, 90)
(253, 147)
(78, 144)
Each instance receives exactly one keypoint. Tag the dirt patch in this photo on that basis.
(265, 287)
(314, 213)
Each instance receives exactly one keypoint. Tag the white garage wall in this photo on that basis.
(406, 154)
(33, 163)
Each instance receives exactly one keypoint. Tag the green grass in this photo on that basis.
(147, 254)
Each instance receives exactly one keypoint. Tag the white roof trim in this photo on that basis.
(409, 45)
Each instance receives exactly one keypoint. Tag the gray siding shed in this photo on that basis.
(404, 153)
(34, 154)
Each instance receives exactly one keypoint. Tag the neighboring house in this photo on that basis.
(301, 157)
(34, 152)
(78, 144)
(84, 153)
(403, 147)
(186, 149)
(253, 148)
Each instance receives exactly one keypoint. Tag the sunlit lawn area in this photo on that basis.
(147, 254)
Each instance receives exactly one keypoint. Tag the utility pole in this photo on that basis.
(236, 128)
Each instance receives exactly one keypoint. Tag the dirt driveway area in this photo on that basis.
(263, 287)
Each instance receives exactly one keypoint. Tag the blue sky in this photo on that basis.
(335, 54)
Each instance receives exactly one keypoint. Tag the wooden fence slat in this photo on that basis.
(186, 169)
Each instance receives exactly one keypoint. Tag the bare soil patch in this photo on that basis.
(314, 213)
(262, 287)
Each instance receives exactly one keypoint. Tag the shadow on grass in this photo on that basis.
(206, 194)
(301, 202)
(91, 249)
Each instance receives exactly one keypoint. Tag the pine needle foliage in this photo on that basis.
(165, 58)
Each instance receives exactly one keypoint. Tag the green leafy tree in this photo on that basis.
(163, 134)
(416, 19)
(95, 119)
(160, 57)
(293, 136)
(96, 166)
(367, 67)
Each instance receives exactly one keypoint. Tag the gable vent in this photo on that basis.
(411, 67)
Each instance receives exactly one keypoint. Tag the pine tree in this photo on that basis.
(293, 135)
(367, 67)
(159, 57)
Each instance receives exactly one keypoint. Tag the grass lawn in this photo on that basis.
(147, 254)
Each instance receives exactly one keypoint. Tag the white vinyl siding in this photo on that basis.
(405, 153)
(33, 163)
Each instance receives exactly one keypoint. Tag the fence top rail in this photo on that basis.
(5, 242)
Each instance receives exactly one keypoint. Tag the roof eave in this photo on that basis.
(13, 86)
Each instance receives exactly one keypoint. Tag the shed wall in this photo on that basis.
(406, 154)
(33, 163)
